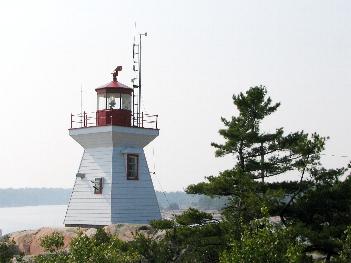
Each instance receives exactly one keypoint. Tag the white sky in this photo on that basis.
(197, 54)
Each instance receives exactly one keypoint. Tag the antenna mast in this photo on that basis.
(137, 68)
(81, 105)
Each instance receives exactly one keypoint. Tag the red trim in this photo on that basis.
(114, 86)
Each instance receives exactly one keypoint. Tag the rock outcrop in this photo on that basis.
(28, 241)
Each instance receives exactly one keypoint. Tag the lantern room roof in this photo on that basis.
(114, 86)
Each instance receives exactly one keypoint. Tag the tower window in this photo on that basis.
(132, 166)
(98, 185)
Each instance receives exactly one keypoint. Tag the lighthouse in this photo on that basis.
(113, 183)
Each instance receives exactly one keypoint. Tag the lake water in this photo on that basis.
(31, 217)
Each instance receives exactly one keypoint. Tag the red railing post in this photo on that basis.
(96, 118)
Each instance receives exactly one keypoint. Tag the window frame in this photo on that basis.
(137, 167)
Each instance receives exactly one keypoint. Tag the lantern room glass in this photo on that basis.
(101, 102)
(114, 101)
(126, 102)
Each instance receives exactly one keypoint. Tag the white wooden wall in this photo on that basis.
(85, 207)
(133, 201)
(122, 200)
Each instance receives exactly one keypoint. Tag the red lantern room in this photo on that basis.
(114, 103)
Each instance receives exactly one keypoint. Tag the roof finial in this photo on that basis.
(115, 73)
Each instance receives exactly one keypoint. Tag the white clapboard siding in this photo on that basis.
(95, 163)
(122, 200)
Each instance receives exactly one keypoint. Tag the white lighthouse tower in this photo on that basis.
(113, 183)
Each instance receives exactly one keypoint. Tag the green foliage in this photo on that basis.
(101, 248)
(181, 243)
(193, 216)
(61, 257)
(323, 213)
(162, 224)
(345, 254)
(52, 242)
(202, 243)
(259, 153)
(101, 236)
(154, 251)
(262, 241)
(81, 248)
(317, 206)
(246, 194)
(190, 240)
(8, 250)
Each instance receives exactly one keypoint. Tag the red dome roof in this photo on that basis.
(114, 86)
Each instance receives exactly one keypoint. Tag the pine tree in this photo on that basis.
(317, 205)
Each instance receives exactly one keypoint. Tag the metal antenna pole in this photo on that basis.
(81, 105)
(139, 106)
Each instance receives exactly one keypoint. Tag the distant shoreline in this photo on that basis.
(23, 197)
(20, 197)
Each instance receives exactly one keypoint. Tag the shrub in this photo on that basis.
(7, 251)
(193, 216)
(60, 257)
(101, 237)
(162, 224)
(53, 242)
(101, 248)
(345, 254)
(153, 250)
(262, 241)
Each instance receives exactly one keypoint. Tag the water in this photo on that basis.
(31, 217)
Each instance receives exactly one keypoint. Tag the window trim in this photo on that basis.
(137, 167)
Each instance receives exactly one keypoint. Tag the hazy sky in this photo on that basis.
(197, 54)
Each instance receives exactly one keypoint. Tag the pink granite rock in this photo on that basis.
(28, 241)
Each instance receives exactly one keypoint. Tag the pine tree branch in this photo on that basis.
(281, 215)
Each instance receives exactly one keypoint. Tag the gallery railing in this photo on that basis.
(89, 119)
